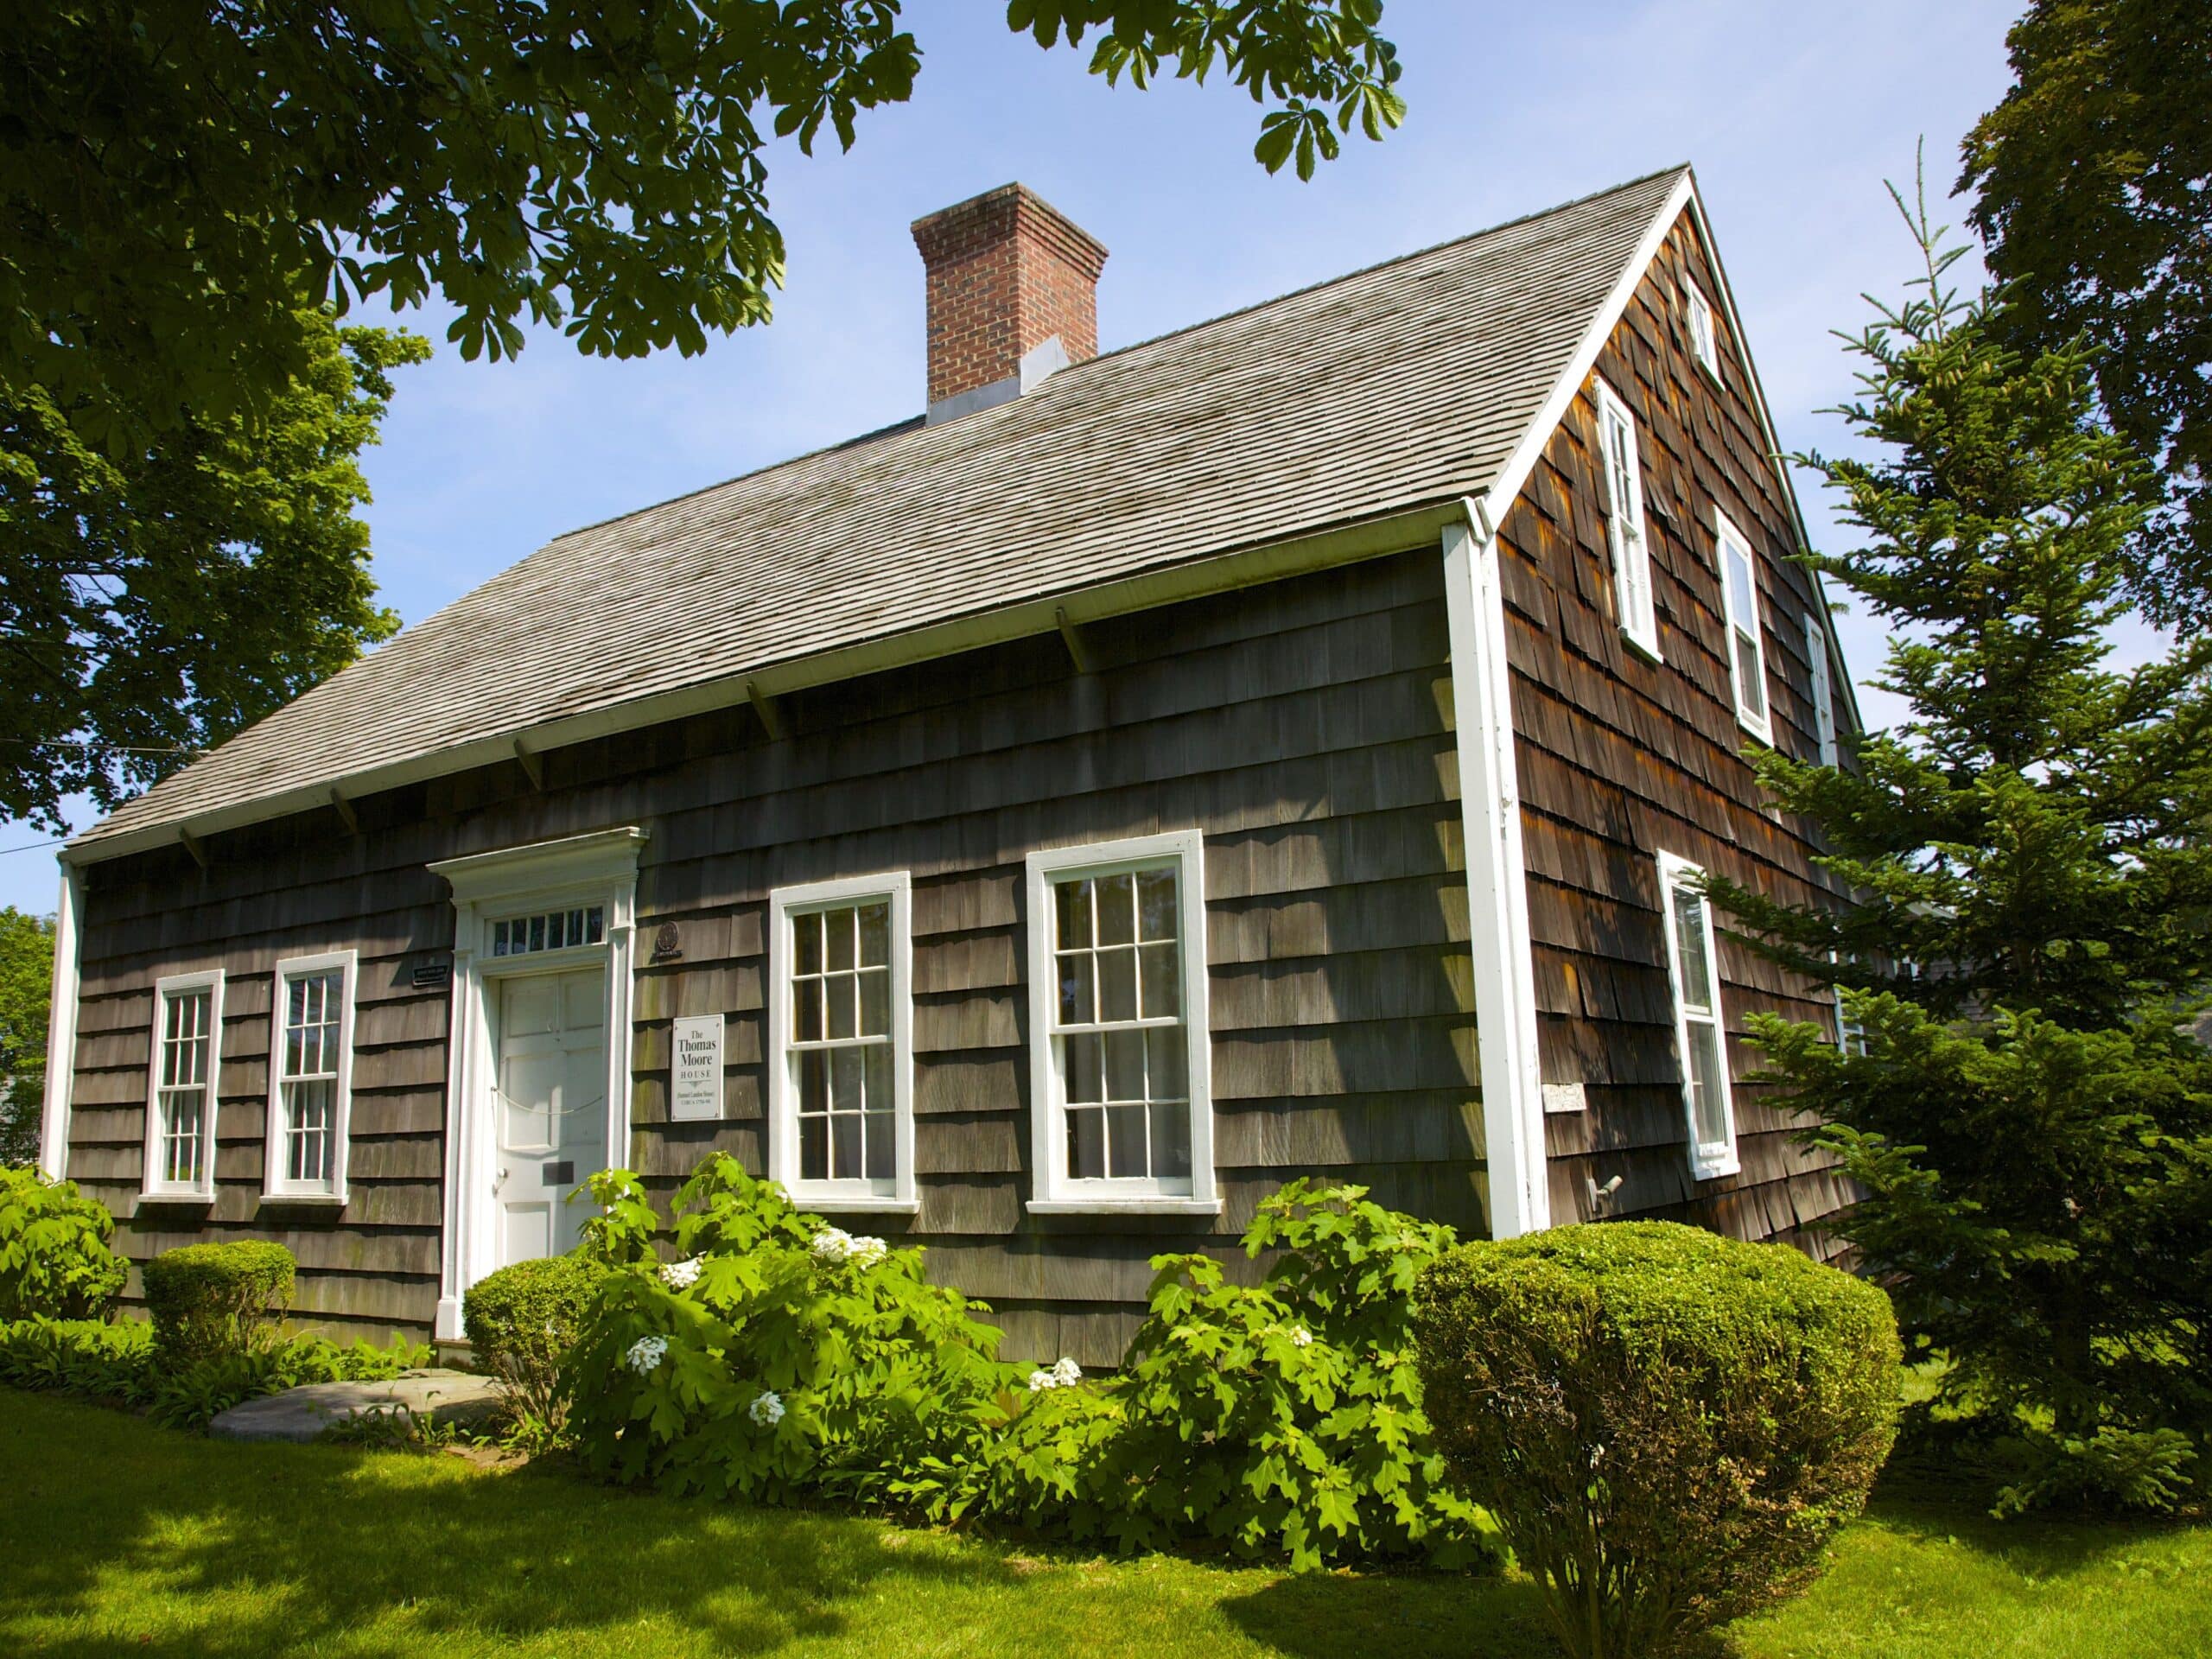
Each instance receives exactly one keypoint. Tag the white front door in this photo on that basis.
(551, 1107)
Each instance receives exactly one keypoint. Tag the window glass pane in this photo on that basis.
(1162, 980)
(1166, 1050)
(1156, 917)
(1078, 1001)
(595, 924)
(875, 936)
(1081, 1051)
(1127, 1138)
(882, 1145)
(1086, 1143)
(1689, 941)
(1071, 902)
(806, 1010)
(1171, 1140)
(875, 1002)
(875, 1065)
(845, 1146)
(845, 1079)
(837, 938)
(806, 943)
(1705, 1084)
(1125, 1064)
(1117, 984)
(1117, 920)
(838, 991)
(813, 1081)
(1741, 594)
(814, 1148)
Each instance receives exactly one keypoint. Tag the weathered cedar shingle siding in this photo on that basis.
(1620, 757)
(1301, 725)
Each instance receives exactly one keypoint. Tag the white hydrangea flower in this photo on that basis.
(833, 1245)
(682, 1275)
(1067, 1373)
(1040, 1381)
(767, 1409)
(1301, 1337)
(645, 1354)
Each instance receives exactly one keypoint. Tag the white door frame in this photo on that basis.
(599, 868)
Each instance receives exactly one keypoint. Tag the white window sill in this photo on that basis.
(1133, 1204)
(306, 1200)
(1647, 649)
(173, 1195)
(847, 1204)
(1716, 1172)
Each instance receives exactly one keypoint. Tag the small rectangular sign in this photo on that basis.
(1563, 1098)
(695, 1084)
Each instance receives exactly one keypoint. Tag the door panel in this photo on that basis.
(552, 1107)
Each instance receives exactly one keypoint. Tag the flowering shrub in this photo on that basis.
(55, 1259)
(1281, 1418)
(776, 1354)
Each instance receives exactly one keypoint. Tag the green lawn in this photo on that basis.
(117, 1537)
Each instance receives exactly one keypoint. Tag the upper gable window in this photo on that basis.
(1816, 650)
(180, 1091)
(842, 1030)
(1626, 532)
(1693, 967)
(1122, 1092)
(1705, 344)
(1740, 592)
(311, 1079)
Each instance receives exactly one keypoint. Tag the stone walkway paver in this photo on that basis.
(302, 1414)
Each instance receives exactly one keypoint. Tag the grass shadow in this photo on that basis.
(1395, 1615)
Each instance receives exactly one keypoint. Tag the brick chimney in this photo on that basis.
(1012, 297)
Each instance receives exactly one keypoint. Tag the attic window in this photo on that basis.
(1626, 532)
(1816, 649)
(1704, 343)
(1739, 594)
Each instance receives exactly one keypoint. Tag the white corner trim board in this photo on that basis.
(1497, 885)
(61, 1027)
(599, 868)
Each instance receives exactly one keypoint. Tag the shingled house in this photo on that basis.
(1038, 830)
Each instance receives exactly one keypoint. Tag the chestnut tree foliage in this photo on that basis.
(177, 176)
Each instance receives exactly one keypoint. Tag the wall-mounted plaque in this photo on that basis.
(695, 1084)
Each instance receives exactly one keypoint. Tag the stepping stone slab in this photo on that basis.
(302, 1414)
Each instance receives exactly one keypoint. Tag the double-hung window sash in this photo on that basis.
(1693, 967)
(181, 1099)
(312, 1006)
(1746, 641)
(1625, 530)
(841, 1050)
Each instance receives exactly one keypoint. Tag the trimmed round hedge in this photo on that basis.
(208, 1301)
(1668, 1425)
(525, 1316)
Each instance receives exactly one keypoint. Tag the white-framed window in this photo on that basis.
(841, 1042)
(1700, 1040)
(310, 1078)
(1626, 534)
(1816, 651)
(1705, 343)
(1739, 599)
(1121, 1081)
(180, 1086)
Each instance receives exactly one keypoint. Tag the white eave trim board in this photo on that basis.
(62, 1028)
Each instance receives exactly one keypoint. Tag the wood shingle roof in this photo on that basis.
(1404, 384)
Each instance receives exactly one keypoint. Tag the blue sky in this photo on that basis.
(1793, 115)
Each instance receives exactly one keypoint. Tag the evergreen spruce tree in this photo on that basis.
(2027, 1116)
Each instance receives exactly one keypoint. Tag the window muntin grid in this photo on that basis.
(314, 1015)
(1119, 1035)
(1703, 341)
(184, 1087)
(841, 1051)
(1695, 969)
(549, 929)
(1746, 644)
